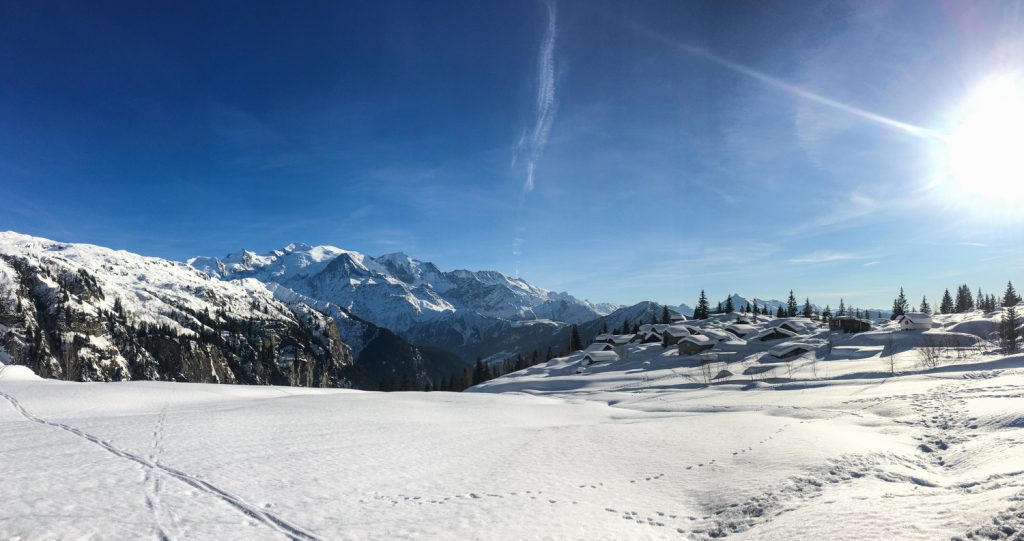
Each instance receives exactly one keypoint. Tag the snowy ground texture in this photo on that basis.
(826, 445)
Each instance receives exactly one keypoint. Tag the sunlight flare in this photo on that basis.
(984, 150)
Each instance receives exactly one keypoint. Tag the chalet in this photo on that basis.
(785, 351)
(914, 321)
(741, 329)
(694, 344)
(621, 339)
(599, 346)
(613, 339)
(717, 335)
(799, 325)
(849, 324)
(599, 357)
(777, 333)
(673, 334)
(677, 318)
(651, 338)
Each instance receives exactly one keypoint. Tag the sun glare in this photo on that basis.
(986, 148)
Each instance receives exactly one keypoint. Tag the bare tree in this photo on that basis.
(890, 348)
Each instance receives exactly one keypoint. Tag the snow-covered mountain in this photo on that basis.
(87, 313)
(83, 312)
(451, 309)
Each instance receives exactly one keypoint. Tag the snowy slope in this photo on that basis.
(641, 449)
(83, 312)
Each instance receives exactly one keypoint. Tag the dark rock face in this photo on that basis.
(60, 321)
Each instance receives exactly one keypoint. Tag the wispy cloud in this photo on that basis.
(871, 263)
(530, 146)
(827, 256)
(843, 212)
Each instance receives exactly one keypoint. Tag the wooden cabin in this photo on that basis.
(776, 333)
(599, 357)
(694, 344)
(849, 324)
(914, 321)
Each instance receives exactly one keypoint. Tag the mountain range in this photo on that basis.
(470, 313)
(299, 315)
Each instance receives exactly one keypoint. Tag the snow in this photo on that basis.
(827, 445)
(398, 292)
(150, 289)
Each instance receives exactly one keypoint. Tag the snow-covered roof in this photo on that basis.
(677, 330)
(916, 317)
(775, 330)
(799, 324)
(699, 339)
(716, 334)
(598, 346)
(601, 356)
(741, 329)
(660, 327)
(789, 347)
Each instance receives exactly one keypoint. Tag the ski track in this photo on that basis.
(270, 520)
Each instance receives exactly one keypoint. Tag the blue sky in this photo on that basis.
(674, 146)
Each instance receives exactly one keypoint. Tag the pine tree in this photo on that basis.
(625, 326)
(754, 310)
(1008, 329)
(729, 307)
(808, 311)
(604, 327)
(701, 311)
(925, 308)
(719, 309)
(781, 312)
(665, 316)
(479, 372)
(575, 344)
(1010, 296)
(826, 314)
(842, 308)
(747, 309)
(964, 299)
(791, 305)
(946, 306)
(899, 306)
